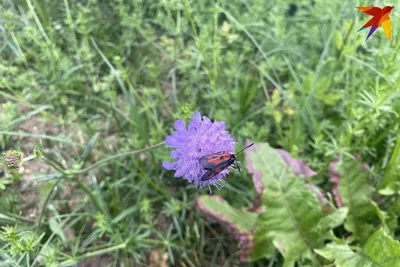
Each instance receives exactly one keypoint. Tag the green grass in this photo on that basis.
(102, 80)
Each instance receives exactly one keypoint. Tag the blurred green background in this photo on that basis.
(81, 81)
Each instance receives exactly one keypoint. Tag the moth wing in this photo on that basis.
(209, 162)
(208, 175)
(211, 173)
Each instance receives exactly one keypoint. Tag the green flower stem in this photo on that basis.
(31, 157)
(94, 253)
(80, 184)
(121, 155)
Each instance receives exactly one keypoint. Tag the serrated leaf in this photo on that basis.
(379, 251)
(238, 222)
(292, 209)
(56, 228)
(356, 194)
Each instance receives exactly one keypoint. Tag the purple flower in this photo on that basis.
(201, 138)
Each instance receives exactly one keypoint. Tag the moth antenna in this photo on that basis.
(244, 148)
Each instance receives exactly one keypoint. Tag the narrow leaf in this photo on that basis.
(56, 228)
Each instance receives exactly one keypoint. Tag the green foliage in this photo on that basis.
(218, 208)
(19, 243)
(357, 194)
(86, 85)
(380, 250)
(298, 230)
(294, 228)
(290, 226)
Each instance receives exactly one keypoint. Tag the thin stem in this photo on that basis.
(46, 202)
(125, 154)
(29, 158)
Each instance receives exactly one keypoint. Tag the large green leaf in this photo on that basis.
(383, 249)
(238, 222)
(292, 210)
(380, 250)
(356, 194)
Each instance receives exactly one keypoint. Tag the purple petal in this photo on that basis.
(202, 137)
(172, 141)
(298, 166)
(180, 125)
(195, 124)
(220, 126)
(175, 154)
(180, 172)
(169, 166)
(197, 116)
(206, 120)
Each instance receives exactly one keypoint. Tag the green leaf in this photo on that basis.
(339, 40)
(380, 250)
(220, 210)
(238, 222)
(332, 220)
(356, 194)
(56, 228)
(343, 256)
(89, 147)
(391, 179)
(292, 210)
(383, 249)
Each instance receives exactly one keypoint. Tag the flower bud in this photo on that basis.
(12, 159)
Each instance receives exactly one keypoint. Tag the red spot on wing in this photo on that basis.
(226, 156)
(212, 159)
(215, 160)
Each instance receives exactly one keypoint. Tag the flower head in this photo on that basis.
(202, 137)
(12, 159)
